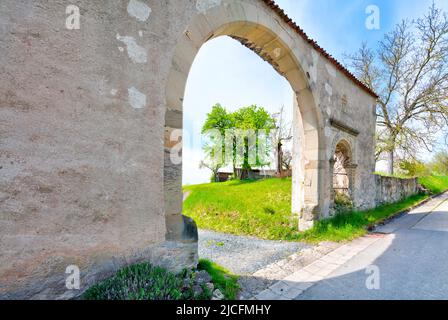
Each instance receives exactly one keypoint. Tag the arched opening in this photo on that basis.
(229, 77)
(227, 80)
(342, 178)
(261, 33)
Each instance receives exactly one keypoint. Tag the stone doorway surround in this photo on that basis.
(329, 102)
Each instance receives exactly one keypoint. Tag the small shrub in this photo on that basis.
(414, 168)
(146, 282)
(342, 203)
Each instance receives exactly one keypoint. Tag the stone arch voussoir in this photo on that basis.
(258, 28)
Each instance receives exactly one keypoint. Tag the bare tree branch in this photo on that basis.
(409, 72)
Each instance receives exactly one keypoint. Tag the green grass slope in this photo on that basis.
(259, 208)
(435, 184)
(263, 209)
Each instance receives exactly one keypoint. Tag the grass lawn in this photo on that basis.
(258, 208)
(263, 209)
(435, 184)
(223, 280)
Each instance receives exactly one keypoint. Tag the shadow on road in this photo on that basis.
(409, 263)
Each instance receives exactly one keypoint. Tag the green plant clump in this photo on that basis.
(146, 282)
(223, 279)
(342, 203)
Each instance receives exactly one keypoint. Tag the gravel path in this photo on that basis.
(244, 255)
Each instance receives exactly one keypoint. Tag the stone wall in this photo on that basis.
(390, 190)
(82, 116)
(87, 119)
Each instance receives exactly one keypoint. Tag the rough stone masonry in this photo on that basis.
(90, 102)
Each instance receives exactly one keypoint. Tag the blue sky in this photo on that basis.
(226, 72)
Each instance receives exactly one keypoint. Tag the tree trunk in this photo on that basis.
(246, 166)
(390, 162)
(279, 159)
(235, 173)
(244, 174)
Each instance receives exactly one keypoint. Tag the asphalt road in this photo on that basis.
(410, 261)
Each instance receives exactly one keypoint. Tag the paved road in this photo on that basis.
(412, 259)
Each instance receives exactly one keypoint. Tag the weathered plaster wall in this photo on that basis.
(86, 118)
(355, 109)
(81, 142)
(390, 190)
(340, 100)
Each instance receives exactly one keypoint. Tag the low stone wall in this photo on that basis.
(390, 190)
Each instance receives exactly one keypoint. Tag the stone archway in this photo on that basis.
(258, 30)
(85, 179)
(343, 171)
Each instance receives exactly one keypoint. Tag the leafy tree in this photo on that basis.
(218, 119)
(251, 120)
(217, 123)
(409, 72)
(439, 165)
(233, 128)
(414, 168)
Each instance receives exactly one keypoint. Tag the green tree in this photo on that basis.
(439, 164)
(255, 121)
(218, 119)
(218, 122)
(243, 133)
(414, 168)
